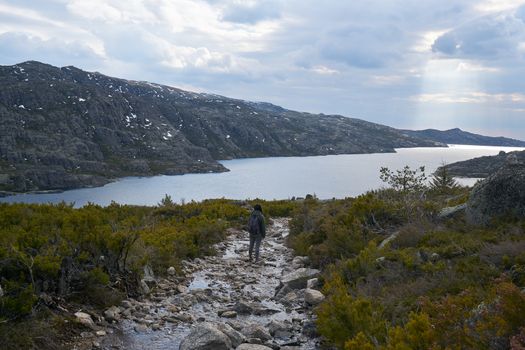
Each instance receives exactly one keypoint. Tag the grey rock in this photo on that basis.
(85, 319)
(254, 330)
(235, 336)
(229, 314)
(501, 194)
(313, 297)
(312, 283)
(206, 336)
(252, 347)
(171, 271)
(112, 314)
(298, 278)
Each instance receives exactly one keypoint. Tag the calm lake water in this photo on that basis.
(336, 176)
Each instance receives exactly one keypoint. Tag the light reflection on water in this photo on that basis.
(336, 176)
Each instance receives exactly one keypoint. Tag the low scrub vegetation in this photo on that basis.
(52, 256)
(398, 277)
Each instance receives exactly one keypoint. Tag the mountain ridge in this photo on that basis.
(461, 137)
(65, 128)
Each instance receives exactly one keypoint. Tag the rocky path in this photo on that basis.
(225, 303)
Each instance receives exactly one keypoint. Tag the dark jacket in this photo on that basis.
(260, 220)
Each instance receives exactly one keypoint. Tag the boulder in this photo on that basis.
(85, 319)
(502, 194)
(298, 278)
(206, 337)
(254, 330)
(252, 347)
(313, 297)
(235, 336)
(112, 314)
(229, 314)
(171, 271)
(312, 283)
(276, 326)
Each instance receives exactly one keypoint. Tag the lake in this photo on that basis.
(327, 177)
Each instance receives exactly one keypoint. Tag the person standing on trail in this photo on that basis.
(257, 229)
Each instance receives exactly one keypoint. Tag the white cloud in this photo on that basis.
(470, 97)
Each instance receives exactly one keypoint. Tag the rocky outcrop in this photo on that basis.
(483, 167)
(502, 194)
(206, 337)
(63, 128)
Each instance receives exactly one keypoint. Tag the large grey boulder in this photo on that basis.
(313, 297)
(298, 278)
(85, 319)
(206, 337)
(501, 194)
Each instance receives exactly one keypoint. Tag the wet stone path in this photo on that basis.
(225, 302)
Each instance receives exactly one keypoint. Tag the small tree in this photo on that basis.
(406, 179)
(441, 179)
(166, 201)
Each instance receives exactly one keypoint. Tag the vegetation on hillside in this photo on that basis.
(435, 284)
(56, 257)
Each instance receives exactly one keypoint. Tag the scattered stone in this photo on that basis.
(140, 328)
(298, 278)
(100, 333)
(182, 289)
(85, 319)
(312, 283)
(235, 336)
(112, 314)
(310, 329)
(434, 257)
(313, 297)
(96, 345)
(254, 330)
(206, 337)
(171, 271)
(252, 347)
(126, 304)
(229, 314)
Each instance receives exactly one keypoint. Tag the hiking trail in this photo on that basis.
(225, 301)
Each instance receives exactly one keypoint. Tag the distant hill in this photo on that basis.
(482, 167)
(460, 137)
(64, 128)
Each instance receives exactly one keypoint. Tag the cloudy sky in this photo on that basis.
(404, 63)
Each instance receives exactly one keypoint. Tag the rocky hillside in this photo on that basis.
(482, 167)
(63, 128)
(459, 137)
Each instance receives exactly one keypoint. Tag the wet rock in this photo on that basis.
(235, 336)
(310, 329)
(229, 314)
(206, 337)
(85, 319)
(126, 304)
(298, 278)
(254, 330)
(112, 314)
(312, 283)
(275, 326)
(313, 297)
(141, 328)
(252, 347)
(182, 289)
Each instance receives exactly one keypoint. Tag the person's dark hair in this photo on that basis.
(257, 207)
